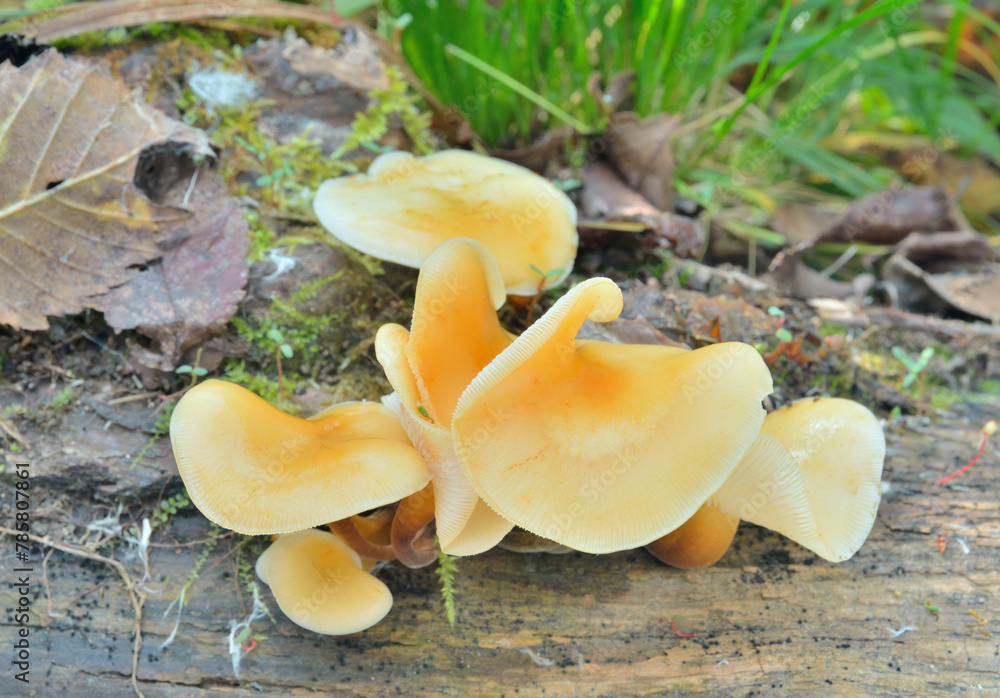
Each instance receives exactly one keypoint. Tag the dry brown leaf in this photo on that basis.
(71, 219)
(107, 203)
(947, 271)
(607, 198)
(75, 19)
(195, 288)
(315, 90)
(887, 217)
(640, 150)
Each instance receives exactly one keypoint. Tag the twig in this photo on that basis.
(137, 598)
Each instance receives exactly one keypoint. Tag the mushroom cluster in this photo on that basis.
(589, 445)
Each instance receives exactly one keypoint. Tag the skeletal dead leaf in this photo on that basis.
(640, 150)
(71, 219)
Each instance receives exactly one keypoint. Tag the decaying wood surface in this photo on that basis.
(770, 618)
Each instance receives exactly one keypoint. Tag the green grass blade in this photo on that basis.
(519, 88)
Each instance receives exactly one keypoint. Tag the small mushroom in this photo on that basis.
(252, 468)
(411, 529)
(583, 432)
(405, 206)
(455, 333)
(369, 535)
(813, 475)
(319, 583)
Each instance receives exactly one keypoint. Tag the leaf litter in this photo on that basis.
(107, 203)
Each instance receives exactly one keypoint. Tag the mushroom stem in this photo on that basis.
(698, 542)
(411, 539)
(368, 536)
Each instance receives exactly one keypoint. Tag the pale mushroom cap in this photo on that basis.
(568, 439)
(252, 468)
(319, 584)
(405, 206)
(814, 475)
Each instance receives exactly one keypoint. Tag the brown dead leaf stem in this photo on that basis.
(86, 17)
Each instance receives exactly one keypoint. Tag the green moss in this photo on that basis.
(300, 330)
(261, 385)
(64, 399)
(990, 386)
(446, 571)
(161, 429)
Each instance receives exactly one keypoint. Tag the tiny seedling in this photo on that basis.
(914, 367)
(195, 372)
(546, 275)
(915, 370)
(283, 349)
(781, 334)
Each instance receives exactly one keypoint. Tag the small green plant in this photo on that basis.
(161, 514)
(915, 372)
(236, 372)
(246, 555)
(161, 429)
(195, 371)
(781, 334)
(914, 367)
(446, 571)
(283, 349)
(64, 399)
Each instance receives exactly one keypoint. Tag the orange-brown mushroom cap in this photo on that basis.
(698, 542)
(814, 475)
(404, 207)
(455, 334)
(319, 584)
(605, 447)
(252, 468)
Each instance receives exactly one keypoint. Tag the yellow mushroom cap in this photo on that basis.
(320, 585)
(252, 468)
(814, 475)
(605, 447)
(404, 207)
(455, 334)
